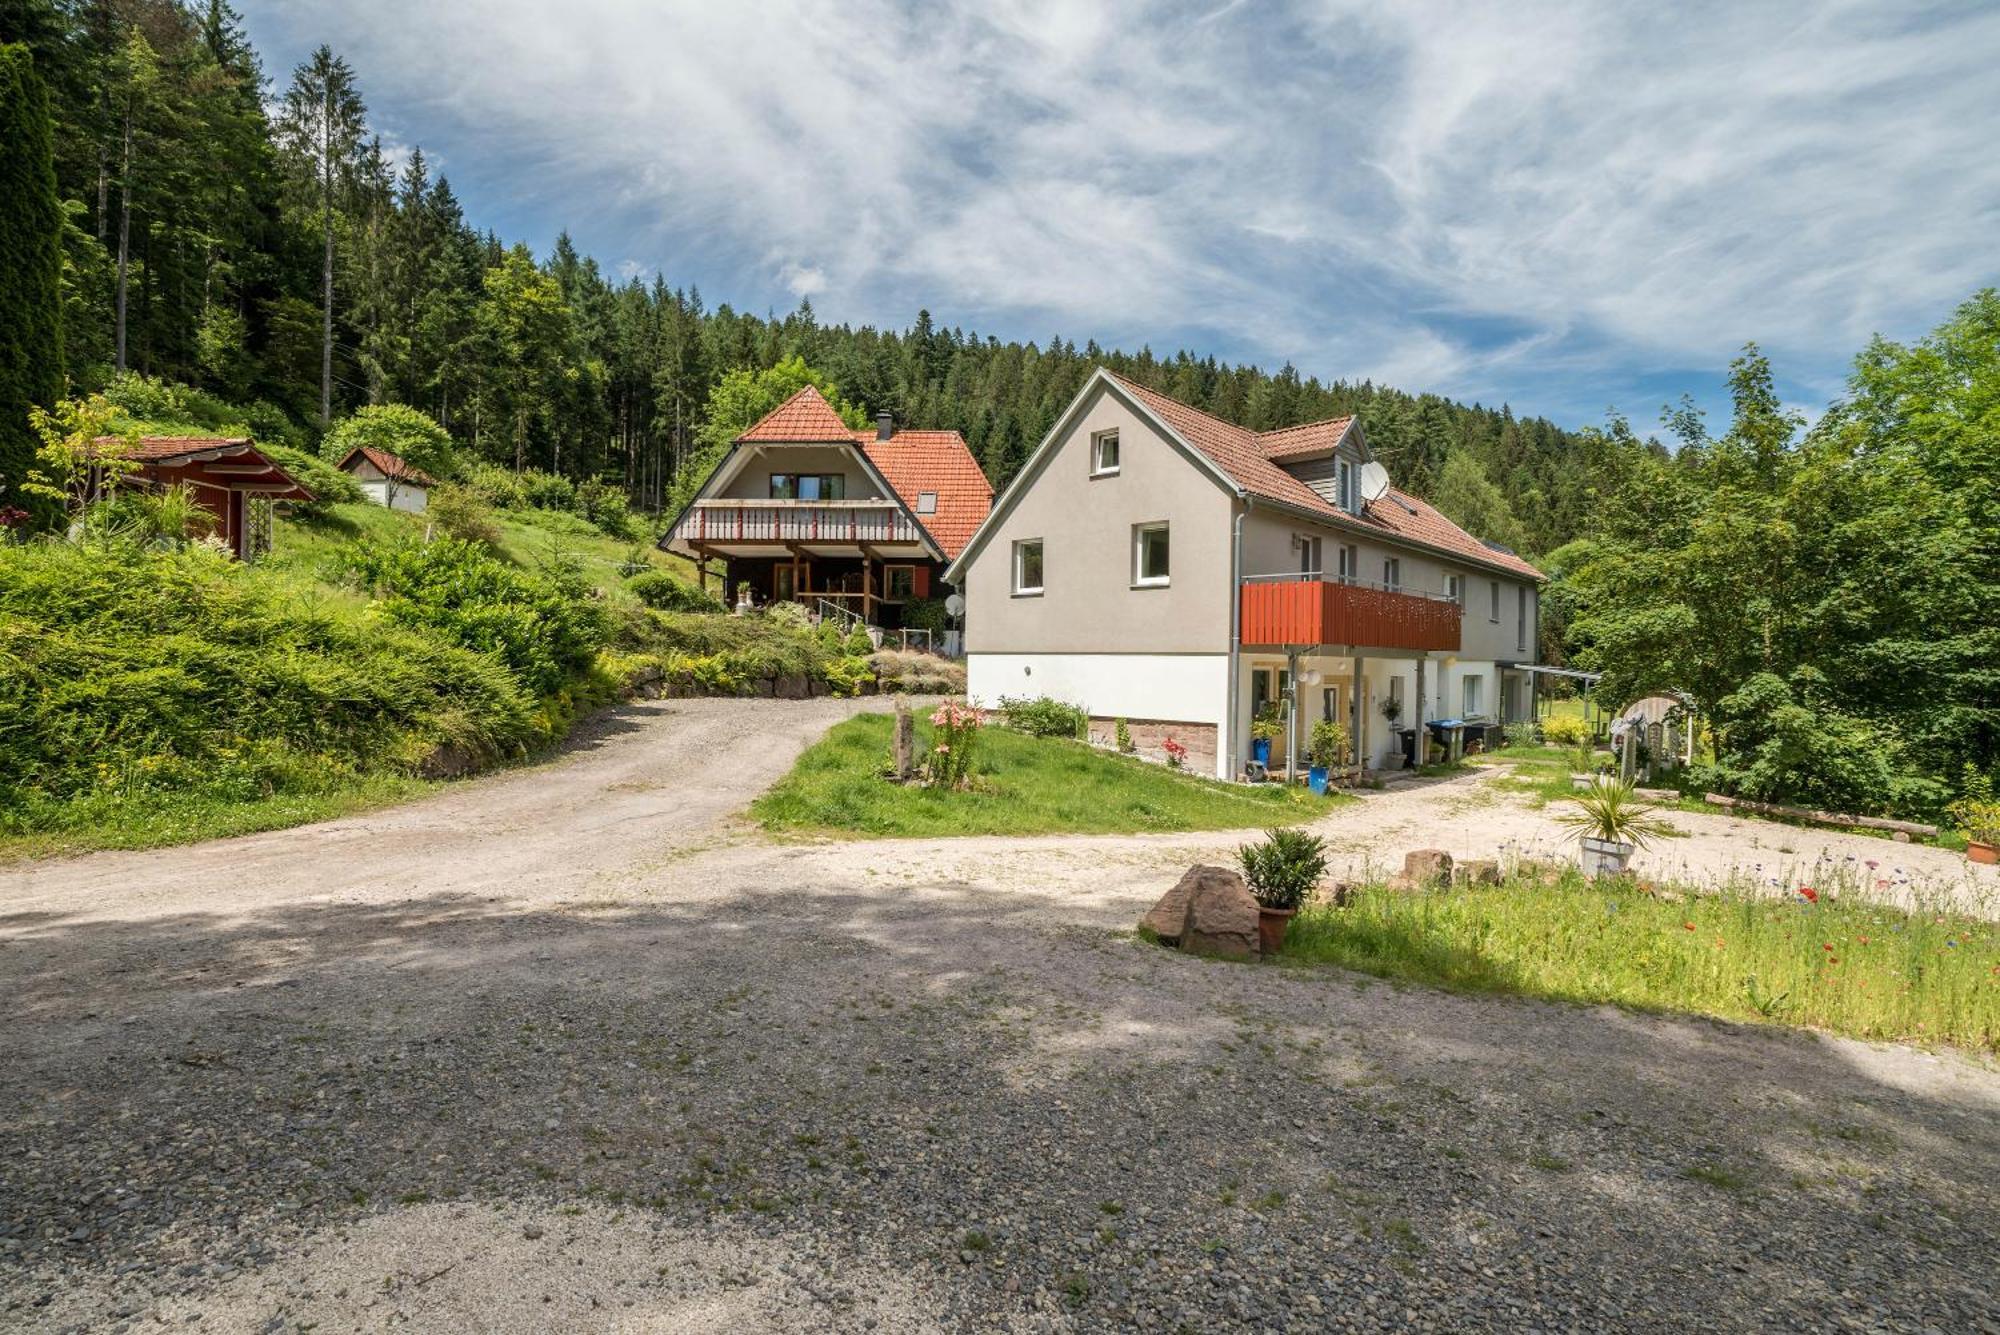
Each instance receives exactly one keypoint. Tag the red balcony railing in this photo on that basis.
(1295, 611)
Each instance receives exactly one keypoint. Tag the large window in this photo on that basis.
(1149, 554)
(808, 486)
(1104, 454)
(899, 582)
(1028, 566)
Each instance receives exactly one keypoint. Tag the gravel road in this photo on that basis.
(571, 1048)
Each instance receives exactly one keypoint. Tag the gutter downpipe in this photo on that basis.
(1236, 635)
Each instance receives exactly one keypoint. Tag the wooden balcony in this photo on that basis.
(1296, 612)
(825, 523)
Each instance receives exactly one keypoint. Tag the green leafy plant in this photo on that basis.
(1392, 708)
(1582, 760)
(1520, 734)
(1043, 716)
(458, 513)
(1979, 819)
(1265, 727)
(1328, 747)
(1283, 869)
(1608, 810)
(954, 737)
(1122, 736)
(858, 643)
(1564, 730)
(658, 589)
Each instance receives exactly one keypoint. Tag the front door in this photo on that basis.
(784, 584)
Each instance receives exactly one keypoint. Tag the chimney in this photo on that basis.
(885, 424)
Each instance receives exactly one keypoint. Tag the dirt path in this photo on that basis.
(571, 1048)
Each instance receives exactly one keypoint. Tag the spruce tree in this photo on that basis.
(30, 269)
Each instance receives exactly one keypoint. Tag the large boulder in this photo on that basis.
(1221, 917)
(1209, 911)
(1427, 867)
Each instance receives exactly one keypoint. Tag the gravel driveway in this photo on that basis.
(570, 1048)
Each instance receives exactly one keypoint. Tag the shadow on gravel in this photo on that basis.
(1115, 1121)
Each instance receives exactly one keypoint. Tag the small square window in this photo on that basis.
(926, 502)
(1028, 566)
(1149, 554)
(1104, 454)
(900, 581)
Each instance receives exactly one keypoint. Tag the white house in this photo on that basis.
(388, 479)
(1157, 564)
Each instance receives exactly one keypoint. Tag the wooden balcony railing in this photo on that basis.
(796, 521)
(1296, 611)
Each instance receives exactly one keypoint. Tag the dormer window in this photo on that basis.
(1104, 454)
(926, 502)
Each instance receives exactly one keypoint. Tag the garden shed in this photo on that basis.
(229, 477)
(389, 479)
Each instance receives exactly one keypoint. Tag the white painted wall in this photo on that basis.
(409, 498)
(1178, 688)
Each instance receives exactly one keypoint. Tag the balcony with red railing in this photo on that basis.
(1294, 610)
(846, 523)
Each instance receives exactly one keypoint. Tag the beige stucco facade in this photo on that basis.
(1096, 636)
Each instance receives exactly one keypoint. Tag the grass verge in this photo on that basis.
(1846, 966)
(1024, 785)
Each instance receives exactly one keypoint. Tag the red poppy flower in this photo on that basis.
(1688, 926)
(1810, 895)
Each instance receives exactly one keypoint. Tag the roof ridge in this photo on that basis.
(815, 411)
(1182, 404)
(1302, 426)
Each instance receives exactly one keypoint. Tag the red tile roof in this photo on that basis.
(1247, 457)
(914, 462)
(175, 453)
(1308, 438)
(804, 418)
(390, 465)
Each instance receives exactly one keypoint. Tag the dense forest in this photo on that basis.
(1826, 600)
(250, 237)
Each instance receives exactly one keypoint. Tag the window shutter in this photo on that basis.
(921, 584)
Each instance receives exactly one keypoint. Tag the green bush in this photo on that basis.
(134, 682)
(1044, 716)
(1565, 730)
(397, 428)
(858, 643)
(926, 614)
(1780, 741)
(458, 512)
(328, 484)
(1520, 734)
(658, 589)
(545, 627)
(607, 507)
(1283, 869)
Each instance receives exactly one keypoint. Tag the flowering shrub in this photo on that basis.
(1176, 753)
(954, 731)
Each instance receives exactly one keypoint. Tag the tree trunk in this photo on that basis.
(124, 234)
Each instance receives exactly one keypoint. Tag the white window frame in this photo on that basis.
(1022, 589)
(1140, 579)
(1310, 556)
(1350, 563)
(1098, 468)
(1346, 486)
(1470, 689)
(1392, 572)
(1454, 588)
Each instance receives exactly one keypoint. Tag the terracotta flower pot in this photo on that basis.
(1271, 925)
(1978, 852)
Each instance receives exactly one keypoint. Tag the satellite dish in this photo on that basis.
(1374, 481)
(955, 605)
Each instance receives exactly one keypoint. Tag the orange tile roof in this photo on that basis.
(1247, 457)
(1296, 442)
(804, 418)
(914, 462)
(390, 465)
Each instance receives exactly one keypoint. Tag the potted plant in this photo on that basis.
(1281, 872)
(1611, 823)
(1980, 819)
(1264, 730)
(1326, 751)
(1392, 708)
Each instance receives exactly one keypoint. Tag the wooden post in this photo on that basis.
(906, 741)
(1354, 716)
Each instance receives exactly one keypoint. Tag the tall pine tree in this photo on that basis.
(30, 268)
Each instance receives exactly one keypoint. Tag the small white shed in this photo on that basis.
(388, 479)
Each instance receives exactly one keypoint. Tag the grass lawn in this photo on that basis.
(1841, 965)
(198, 818)
(1025, 785)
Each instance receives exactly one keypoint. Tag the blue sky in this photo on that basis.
(1558, 206)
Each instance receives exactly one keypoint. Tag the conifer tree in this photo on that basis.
(30, 268)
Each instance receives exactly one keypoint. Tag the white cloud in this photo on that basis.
(1453, 198)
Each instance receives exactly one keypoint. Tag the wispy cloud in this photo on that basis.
(1546, 203)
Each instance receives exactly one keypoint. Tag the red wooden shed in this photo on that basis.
(224, 473)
